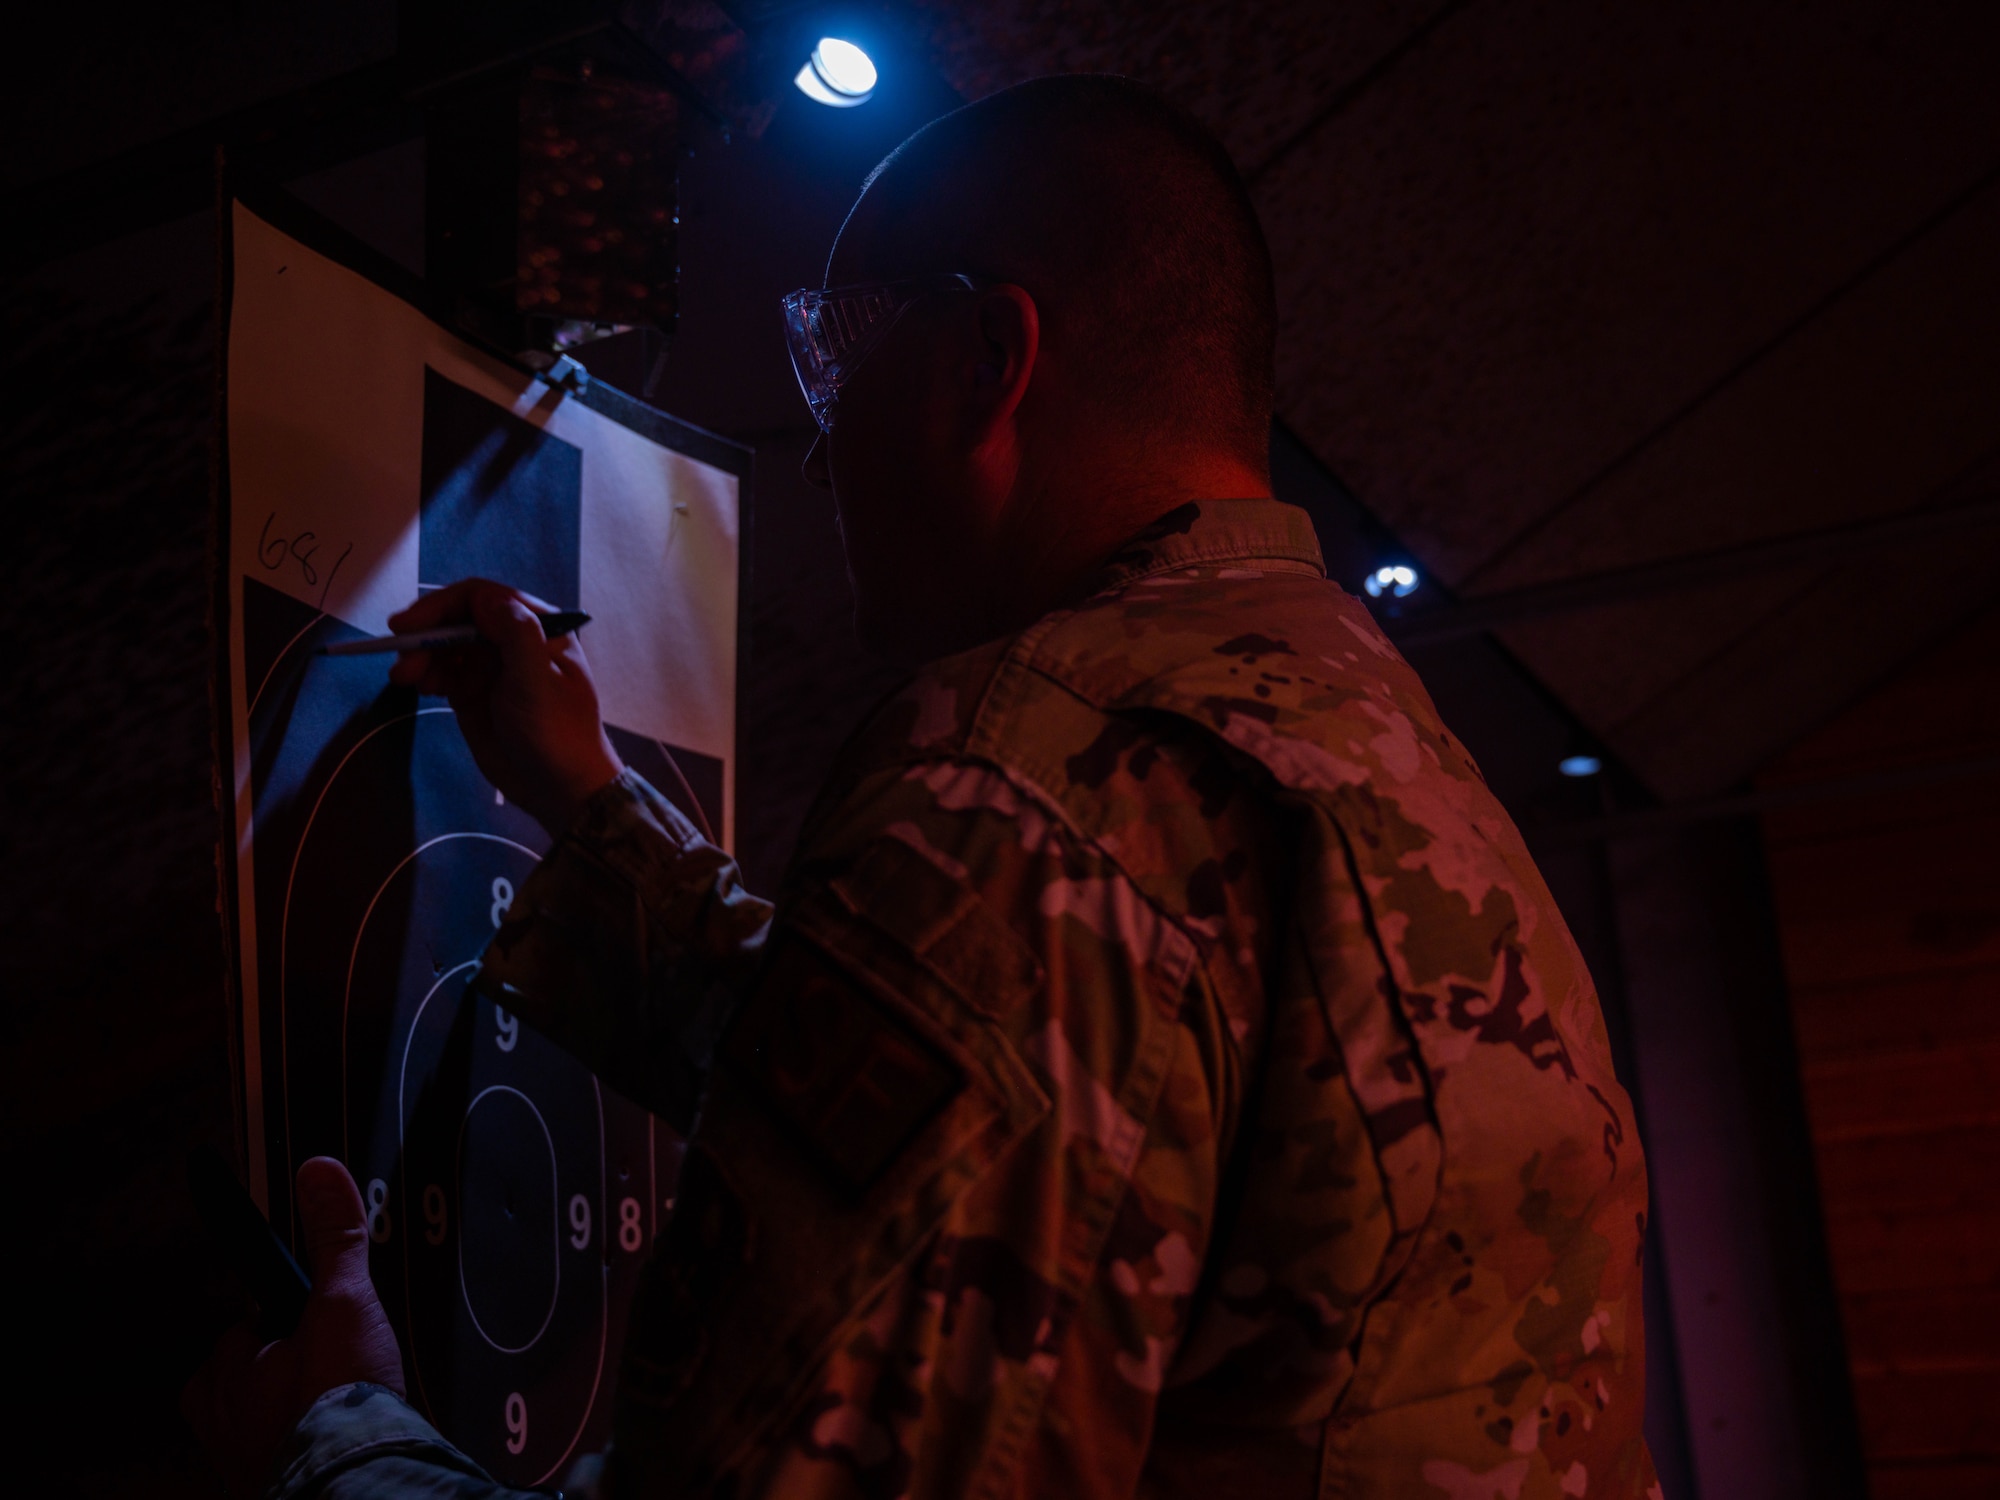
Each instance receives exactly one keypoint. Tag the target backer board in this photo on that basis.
(372, 455)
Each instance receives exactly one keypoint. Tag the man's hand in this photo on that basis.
(244, 1401)
(526, 704)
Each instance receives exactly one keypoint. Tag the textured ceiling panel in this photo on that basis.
(1551, 227)
(1887, 402)
(1258, 74)
(1869, 409)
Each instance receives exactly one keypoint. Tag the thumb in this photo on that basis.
(334, 1226)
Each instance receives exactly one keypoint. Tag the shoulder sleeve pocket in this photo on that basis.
(903, 894)
(860, 1093)
(854, 1081)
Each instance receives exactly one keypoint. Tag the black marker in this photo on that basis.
(561, 623)
(248, 1243)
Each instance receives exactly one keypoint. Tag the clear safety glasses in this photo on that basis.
(830, 332)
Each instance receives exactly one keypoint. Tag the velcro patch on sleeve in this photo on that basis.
(942, 921)
(855, 1083)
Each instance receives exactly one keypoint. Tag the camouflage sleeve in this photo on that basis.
(628, 946)
(940, 1229)
(364, 1440)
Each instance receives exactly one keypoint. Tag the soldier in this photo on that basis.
(1164, 1071)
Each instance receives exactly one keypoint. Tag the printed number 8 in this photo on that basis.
(628, 1224)
(517, 1423)
(503, 897)
(378, 1211)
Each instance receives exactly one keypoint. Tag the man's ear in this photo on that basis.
(1010, 337)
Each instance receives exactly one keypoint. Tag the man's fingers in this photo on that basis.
(437, 673)
(448, 672)
(410, 669)
(334, 1225)
(456, 603)
(450, 605)
(514, 628)
(568, 649)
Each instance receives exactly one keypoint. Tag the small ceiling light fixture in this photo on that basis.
(1579, 765)
(1398, 580)
(838, 73)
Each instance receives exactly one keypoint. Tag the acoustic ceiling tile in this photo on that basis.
(1543, 232)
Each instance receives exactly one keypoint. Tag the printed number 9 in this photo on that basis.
(433, 1214)
(579, 1222)
(378, 1210)
(503, 897)
(517, 1423)
(628, 1224)
(510, 1029)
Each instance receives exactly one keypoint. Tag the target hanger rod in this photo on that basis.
(561, 623)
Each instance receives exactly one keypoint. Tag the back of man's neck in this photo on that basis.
(1079, 520)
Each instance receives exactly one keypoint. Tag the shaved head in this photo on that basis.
(1125, 221)
(1111, 362)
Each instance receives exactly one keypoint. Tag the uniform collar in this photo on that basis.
(1268, 534)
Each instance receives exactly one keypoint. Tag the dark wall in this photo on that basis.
(1888, 903)
(113, 1046)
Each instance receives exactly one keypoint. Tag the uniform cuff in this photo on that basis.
(624, 945)
(351, 1425)
(630, 839)
(624, 822)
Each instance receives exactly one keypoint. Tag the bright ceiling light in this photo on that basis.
(838, 73)
(1579, 765)
(1399, 580)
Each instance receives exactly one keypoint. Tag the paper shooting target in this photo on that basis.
(511, 1196)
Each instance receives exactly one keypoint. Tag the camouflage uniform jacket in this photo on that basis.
(1165, 1073)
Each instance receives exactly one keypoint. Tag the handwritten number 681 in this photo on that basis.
(275, 551)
